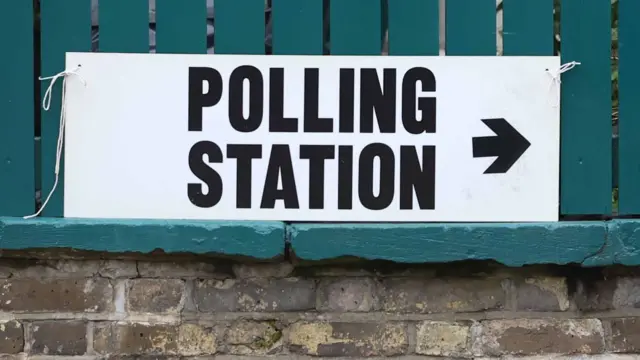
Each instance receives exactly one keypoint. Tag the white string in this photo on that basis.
(555, 79)
(46, 104)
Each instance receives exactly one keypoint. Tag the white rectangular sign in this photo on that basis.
(312, 138)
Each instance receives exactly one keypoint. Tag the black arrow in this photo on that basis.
(508, 145)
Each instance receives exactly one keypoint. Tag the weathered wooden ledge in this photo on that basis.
(262, 240)
(621, 245)
(589, 243)
(511, 244)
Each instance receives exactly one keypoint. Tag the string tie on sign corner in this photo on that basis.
(46, 105)
(556, 75)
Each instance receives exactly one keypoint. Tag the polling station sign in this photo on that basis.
(312, 138)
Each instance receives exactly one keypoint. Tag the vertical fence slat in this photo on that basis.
(470, 27)
(297, 27)
(528, 27)
(413, 27)
(356, 27)
(629, 108)
(17, 161)
(65, 26)
(239, 27)
(585, 184)
(181, 26)
(124, 26)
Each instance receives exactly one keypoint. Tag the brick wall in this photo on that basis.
(96, 309)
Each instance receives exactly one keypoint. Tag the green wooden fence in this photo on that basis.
(356, 27)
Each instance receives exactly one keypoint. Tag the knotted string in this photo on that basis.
(555, 79)
(46, 104)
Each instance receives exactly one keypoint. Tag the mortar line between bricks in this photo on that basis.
(408, 317)
(621, 356)
(27, 331)
(307, 357)
(89, 336)
(59, 357)
(312, 316)
(272, 357)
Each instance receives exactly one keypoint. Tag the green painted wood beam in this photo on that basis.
(510, 244)
(588, 243)
(622, 245)
(262, 240)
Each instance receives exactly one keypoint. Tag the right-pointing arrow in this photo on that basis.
(508, 145)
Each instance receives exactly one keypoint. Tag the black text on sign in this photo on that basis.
(416, 166)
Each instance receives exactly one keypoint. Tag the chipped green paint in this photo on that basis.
(621, 246)
(263, 240)
(588, 243)
(510, 244)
